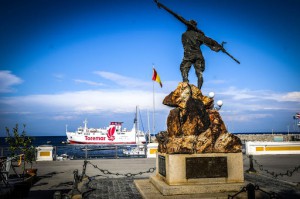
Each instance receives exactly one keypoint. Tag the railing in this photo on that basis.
(89, 151)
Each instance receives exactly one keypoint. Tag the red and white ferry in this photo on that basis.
(114, 134)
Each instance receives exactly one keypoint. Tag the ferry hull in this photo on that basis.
(101, 143)
(112, 135)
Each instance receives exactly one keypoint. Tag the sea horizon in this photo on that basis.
(275, 132)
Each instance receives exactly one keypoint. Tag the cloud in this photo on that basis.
(290, 96)
(250, 106)
(245, 117)
(122, 80)
(58, 76)
(13, 112)
(246, 94)
(216, 82)
(7, 81)
(241, 106)
(64, 117)
(89, 101)
(88, 82)
(240, 94)
(124, 100)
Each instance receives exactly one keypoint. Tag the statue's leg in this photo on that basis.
(185, 67)
(199, 68)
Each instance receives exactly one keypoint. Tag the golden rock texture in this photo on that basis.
(193, 126)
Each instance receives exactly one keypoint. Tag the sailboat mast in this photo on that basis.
(149, 137)
(136, 126)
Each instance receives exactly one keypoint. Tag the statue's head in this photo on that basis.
(193, 22)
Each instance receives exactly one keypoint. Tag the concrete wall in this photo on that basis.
(268, 148)
(268, 137)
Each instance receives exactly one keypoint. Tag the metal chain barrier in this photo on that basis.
(107, 172)
(79, 179)
(250, 189)
(288, 173)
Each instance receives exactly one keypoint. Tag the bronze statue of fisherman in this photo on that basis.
(192, 39)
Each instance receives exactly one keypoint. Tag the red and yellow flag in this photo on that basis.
(155, 77)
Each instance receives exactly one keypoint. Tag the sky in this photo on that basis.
(65, 61)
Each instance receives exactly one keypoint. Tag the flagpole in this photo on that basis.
(153, 119)
(156, 78)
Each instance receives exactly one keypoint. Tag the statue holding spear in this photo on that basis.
(192, 39)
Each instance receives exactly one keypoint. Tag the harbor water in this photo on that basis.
(75, 151)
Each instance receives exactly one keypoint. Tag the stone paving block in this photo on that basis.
(113, 188)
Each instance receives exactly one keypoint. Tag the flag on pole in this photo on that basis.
(155, 77)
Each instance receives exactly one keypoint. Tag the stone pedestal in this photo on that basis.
(198, 173)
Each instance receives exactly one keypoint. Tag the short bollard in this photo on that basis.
(75, 190)
(251, 169)
(250, 191)
(86, 152)
(57, 195)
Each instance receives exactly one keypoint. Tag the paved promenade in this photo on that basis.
(58, 175)
(106, 176)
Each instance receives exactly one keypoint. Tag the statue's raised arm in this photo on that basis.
(190, 23)
(180, 18)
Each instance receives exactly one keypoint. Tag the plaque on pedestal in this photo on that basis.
(206, 167)
(162, 165)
